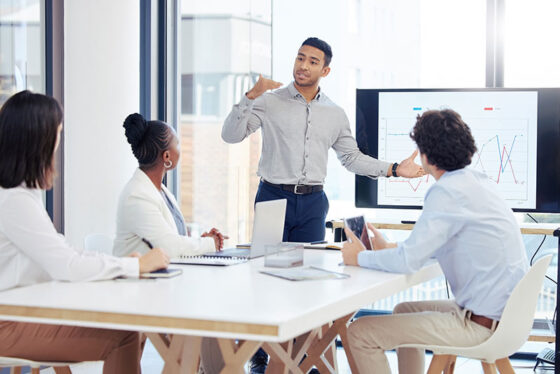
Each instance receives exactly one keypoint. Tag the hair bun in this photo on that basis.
(135, 128)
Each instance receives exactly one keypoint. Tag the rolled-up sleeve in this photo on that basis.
(244, 119)
(353, 159)
(434, 228)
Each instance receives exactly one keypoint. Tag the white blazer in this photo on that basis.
(143, 213)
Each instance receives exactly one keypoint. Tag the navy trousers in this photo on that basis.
(305, 214)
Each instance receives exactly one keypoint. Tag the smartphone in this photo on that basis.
(358, 227)
(162, 273)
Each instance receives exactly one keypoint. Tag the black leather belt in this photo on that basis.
(298, 189)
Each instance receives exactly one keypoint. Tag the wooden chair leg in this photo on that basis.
(488, 368)
(15, 370)
(504, 366)
(62, 369)
(441, 363)
(450, 368)
(35, 371)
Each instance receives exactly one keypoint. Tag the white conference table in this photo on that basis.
(242, 307)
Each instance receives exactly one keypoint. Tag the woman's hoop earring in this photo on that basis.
(168, 164)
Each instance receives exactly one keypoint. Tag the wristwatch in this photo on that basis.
(394, 169)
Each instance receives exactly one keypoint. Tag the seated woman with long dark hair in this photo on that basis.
(31, 251)
(147, 210)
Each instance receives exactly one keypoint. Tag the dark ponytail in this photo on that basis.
(148, 139)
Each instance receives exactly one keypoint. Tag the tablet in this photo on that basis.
(358, 227)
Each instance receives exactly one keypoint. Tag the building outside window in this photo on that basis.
(22, 61)
(224, 46)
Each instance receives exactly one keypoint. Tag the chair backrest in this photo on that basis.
(517, 317)
(99, 243)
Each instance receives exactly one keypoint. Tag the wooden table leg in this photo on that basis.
(330, 353)
(281, 358)
(180, 353)
(316, 353)
(343, 333)
(236, 355)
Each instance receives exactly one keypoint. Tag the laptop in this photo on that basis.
(268, 228)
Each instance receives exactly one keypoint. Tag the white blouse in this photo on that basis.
(143, 213)
(31, 251)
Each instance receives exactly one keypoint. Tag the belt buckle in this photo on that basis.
(296, 189)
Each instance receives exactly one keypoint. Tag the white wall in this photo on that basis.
(101, 86)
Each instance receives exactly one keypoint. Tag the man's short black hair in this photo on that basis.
(444, 138)
(322, 45)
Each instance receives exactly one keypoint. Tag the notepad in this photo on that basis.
(208, 260)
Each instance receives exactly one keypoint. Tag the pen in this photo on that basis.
(319, 242)
(148, 243)
(408, 222)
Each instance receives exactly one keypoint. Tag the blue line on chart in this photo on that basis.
(500, 154)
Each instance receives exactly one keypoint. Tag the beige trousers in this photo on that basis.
(120, 350)
(440, 322)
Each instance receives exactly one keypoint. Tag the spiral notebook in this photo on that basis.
(208, 260)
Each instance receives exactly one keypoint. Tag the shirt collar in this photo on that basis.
(295, 93)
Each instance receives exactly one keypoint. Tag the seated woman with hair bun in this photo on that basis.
(147, 210)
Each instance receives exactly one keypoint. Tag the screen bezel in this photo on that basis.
(548, 153)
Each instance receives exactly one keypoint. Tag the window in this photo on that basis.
(22, 50)
(22, 47)
(531, 59)
(532, 44)
(223, 47)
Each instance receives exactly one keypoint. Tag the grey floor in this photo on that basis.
(152, 363)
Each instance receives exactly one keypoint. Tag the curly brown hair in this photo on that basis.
(444, 138)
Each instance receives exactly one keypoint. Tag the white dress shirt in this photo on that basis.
(143, 213)
(297, 136)
(474, 236)
(31, 251)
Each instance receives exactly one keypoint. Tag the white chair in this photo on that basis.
(511, 334)
(17, 363)
(99, 243)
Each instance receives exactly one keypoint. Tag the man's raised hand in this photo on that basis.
(262, 85)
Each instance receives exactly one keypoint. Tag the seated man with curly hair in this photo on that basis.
(468, 228)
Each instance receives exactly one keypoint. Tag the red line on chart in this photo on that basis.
(503, 161)
(500, 169)
(410, 183)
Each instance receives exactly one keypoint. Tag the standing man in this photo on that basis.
(471, 232)
(299, 125)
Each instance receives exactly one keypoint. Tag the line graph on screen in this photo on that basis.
(502, 154)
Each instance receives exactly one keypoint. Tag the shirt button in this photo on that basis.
(307, 138)
(306, 156)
